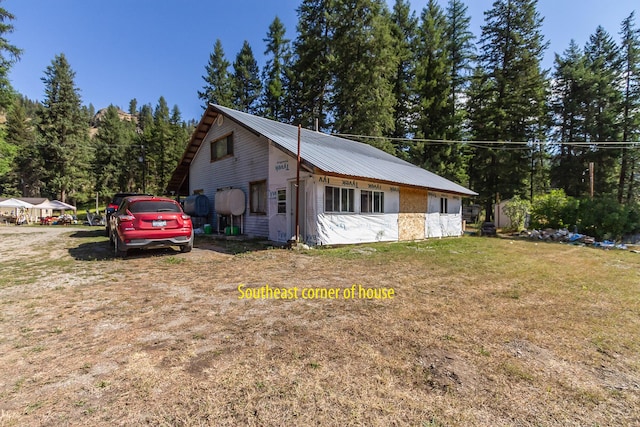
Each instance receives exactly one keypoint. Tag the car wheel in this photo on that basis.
(117, 248)
(187, 248)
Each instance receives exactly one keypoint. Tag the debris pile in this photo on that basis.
(565, 236)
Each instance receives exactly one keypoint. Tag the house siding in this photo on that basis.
(356, 227)
(443, 224)
(248, 164)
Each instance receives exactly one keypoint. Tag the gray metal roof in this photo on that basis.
(335, 155)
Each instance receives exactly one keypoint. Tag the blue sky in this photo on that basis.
(144, 49)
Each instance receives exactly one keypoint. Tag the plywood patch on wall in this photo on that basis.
(411, 219)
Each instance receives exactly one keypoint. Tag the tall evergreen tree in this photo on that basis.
(569, 98)
(461, 53)
(364, 67)
(63, 128)
(274, 73)
(8, 154)
(144, 145)
(246, 80)
(158, 153)
(604, 107)
(433, 89)
(218, 85)
(27, 166)
(133, 107)
(630, 53)
(404, 30)
(9, 54)
(113, 141)
(311, 81)
(508, 101)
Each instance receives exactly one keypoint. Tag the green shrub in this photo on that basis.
(517, 209)
(551, 210)
(601, 217)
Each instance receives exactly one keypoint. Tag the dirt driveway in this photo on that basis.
(163, 338)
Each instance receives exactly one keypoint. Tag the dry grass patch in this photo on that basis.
(480, 332)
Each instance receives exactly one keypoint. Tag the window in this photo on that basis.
(444, 205)
(144, 206)
(339, 199)
(282, 201)
(371, 201)
(258, 199)
(221, 148)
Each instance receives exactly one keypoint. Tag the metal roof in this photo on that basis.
(333, 155)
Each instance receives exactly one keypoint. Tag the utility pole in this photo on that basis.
(591, 179)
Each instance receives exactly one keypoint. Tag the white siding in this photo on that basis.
(356, 227)
(443, 224)
(249, 163)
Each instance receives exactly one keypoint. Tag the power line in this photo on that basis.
(479, 144)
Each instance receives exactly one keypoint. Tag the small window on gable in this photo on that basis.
(282, 201)
(258, 199)
(222, 148)
(444, 205)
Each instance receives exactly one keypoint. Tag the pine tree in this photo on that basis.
(364, 68)
(604, 107)
(9, 54)
(630, 53)
(27, 166)
(508, 100)
(570, 95)
(218, 87)
(311, 80)
(404, 31)
(144, 145)
(246, 81)
(133, 107)
(433, 89)
(63, 128)
(157, 154)
(180, 133)
(113, 141)
(461, 53)
(8, 154)
(274, 73)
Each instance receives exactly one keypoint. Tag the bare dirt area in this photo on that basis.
(477, 332)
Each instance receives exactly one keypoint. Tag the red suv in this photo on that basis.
(148, 221)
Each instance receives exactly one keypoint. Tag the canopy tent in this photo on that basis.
(15, 203)
(55, 205)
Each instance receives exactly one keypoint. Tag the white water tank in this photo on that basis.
(230, 202)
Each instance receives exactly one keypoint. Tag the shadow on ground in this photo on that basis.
(97, 247)
(96, 232)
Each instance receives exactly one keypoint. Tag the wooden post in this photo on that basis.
(591, 179)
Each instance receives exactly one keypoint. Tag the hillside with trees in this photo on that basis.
(481, 111)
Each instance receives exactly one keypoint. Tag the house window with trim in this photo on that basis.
(371, 201)
(444, 205)
(221, 148)
(282, 201)
(258, 197)
(339, 199)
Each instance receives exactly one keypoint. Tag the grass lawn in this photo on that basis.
(479, 331)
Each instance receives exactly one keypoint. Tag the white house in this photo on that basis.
(349, 192)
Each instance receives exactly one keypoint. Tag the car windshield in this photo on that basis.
(153, 206)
